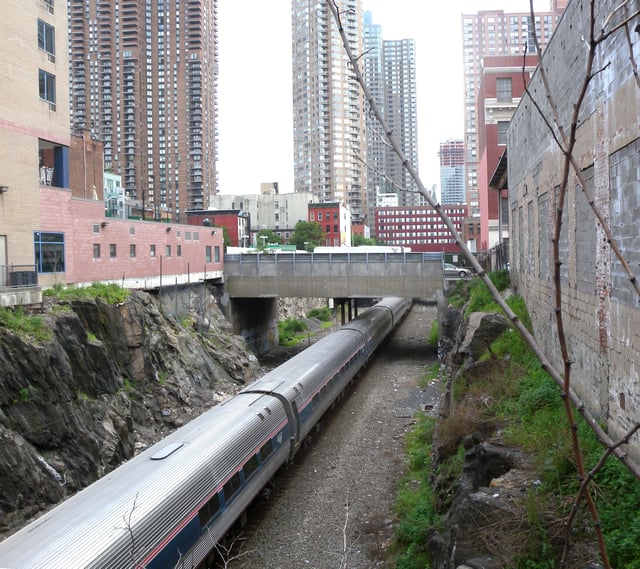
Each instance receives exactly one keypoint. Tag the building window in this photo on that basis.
(112, 250)
(49, 252)
(48, 4)
(96, 250)
(47, 86)
(47, 38)
(152, 250)
(319, 216)
(503, 90)
(179, 250)
(312, 216)
(132, 250)
(216, 253)
(207, 253)
(503, 127)
(167, 251)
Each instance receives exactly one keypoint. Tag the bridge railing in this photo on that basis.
(415, 275)
(311, 258)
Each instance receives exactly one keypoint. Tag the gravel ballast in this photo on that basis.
(333, 506)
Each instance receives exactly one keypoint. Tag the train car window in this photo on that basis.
(209, 510)
(266, 450)
(231, 487)
(316, 398)
(250, 467)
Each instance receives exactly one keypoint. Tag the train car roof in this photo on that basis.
(126, 494)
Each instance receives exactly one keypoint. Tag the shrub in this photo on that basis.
(110, 293)
(288, 329)
(324, 314)
(500, 279)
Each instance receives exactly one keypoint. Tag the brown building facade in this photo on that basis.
(144, 81)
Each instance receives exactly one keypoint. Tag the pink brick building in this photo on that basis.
(131, 253)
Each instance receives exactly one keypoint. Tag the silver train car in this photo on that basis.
(170, 505)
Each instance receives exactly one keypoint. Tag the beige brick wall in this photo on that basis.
(25, 118)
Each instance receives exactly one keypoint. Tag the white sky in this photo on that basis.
(254, 103)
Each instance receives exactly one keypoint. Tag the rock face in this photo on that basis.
(111, 379)
(484, 505)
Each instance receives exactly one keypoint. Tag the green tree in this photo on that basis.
(359, 239)
(307, 235)
(270, 238)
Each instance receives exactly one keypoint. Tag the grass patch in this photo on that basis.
(415, 505)
(24, 325)
(110, 293)
(432, 338)
(431, 372)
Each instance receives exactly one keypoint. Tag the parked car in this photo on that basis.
(453, 272)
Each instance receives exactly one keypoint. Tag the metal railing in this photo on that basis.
(18, 276)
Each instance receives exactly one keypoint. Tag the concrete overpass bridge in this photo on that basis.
(253, 282)
(334, 275)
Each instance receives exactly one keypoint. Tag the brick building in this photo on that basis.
(335, 220)
(53, 228)
(419, 227)
(501, 87)
(236, 222)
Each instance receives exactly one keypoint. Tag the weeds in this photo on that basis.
(24, 325)
(290, 331)
(415, 505)
(510, 388)
(433, 337)
(324, 314)
(110, 293)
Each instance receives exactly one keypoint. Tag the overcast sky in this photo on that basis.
(254, 103)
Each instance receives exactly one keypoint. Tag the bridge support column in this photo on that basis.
(348, 309)
(256, 319)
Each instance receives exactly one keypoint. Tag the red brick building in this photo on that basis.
(501, 87)
(335, 220)
(237, 223)
(419, 227)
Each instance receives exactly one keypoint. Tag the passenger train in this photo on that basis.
(169, 506)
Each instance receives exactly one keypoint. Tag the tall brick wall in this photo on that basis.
(600, 308)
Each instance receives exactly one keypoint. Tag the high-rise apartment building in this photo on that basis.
(452, 190)
(328, 116)
(389, 69)
(490, 33)
(143, 81)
